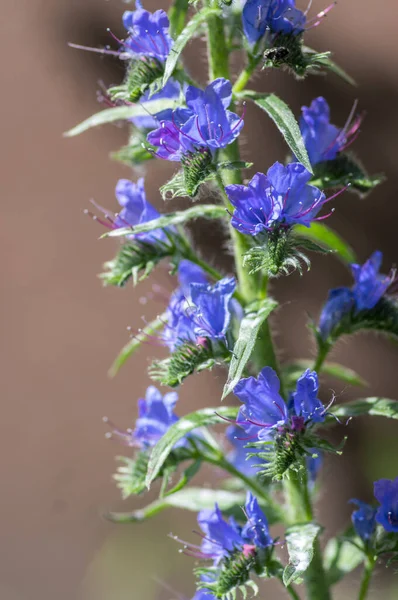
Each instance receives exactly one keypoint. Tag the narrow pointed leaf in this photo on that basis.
(249, 330)
(300, 544)
(326, 61)
(192, 498)
(329, 239)
(285, 121)
(378, 407)
(187, 33)
(122, 113)
(200, 418)
(208, 211)
(136, 342)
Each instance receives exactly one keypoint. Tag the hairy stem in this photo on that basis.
(321, 357)
(366, 577)
(246, 74)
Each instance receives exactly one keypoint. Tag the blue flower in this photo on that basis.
(205, 125)
(340, 302)
(256, 530)
(323, 140)
(282, 197)
(306, 401)
(179, 326)
(170, 91)
(386, 493)
(221, 537)
(364, 520)
(263, 407)
(148, 33)
(275, 16)
(136, 210)
(212, 315)
(239, 456)
(369, 287)
(155, 417)
(264, 412)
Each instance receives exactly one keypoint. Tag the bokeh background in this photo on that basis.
(61, 329)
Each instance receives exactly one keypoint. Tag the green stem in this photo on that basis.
(291, 591)
(177, 14)
(218, 55)
(245, 75)
(250, 483)
(300, 511)
(366, 577)
(320, 359)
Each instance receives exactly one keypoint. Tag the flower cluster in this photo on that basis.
(369, 287)
(197, 310)
(204, 126)
(148, 33)
(280, 199)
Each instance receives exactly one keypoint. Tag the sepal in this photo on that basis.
(345, 170)
(288, 52)
(185, 360)
(137, 258)
(142, 75)
(278, 255)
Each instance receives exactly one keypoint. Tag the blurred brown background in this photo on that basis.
(61, 329)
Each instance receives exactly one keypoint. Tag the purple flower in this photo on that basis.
(256, 530)
(281, 198)
(205, 125)
(306, 402)
(212, 315)
(264, 412)
(155, 417)
(386, 493)
(275, 16)
(323, 140)
(363, 520)
(264, 409)
(340, 302)
(148, 33)
(136, 210)
(222, 538)
(170, 91)
(369, 287)
(179, 326)
(239, 456)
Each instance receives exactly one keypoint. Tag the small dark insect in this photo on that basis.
(276, 54)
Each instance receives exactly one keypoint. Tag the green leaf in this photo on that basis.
(341, 557)
(193, 499)
(208, 211)
(185, 478)
(200, 418)
(248, 332)
(285, 121)
(325, 60)
(329, 239)
(122, 113)
(300, 544)
(190, 30)
(294, 370)
(136, 342)
(378, 407)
